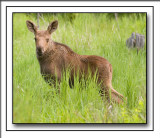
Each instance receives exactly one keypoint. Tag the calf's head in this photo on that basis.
(42, 37)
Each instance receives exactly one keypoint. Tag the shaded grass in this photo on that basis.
(34, 101)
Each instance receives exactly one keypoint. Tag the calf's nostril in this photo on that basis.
(39, 50)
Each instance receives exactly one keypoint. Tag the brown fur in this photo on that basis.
(54, 58)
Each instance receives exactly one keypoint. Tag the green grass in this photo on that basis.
(34, 101)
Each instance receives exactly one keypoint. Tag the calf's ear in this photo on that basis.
(31, 26)
(53, 26)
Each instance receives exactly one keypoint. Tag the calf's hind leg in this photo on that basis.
(110, 94)
(107, 90)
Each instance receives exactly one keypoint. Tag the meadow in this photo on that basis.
(34, 101)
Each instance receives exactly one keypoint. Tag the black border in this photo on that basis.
(6, 68)
(0, 80)
(153, 68)
(83, 0)
(21, 124)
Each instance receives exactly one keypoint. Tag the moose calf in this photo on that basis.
(54, 58)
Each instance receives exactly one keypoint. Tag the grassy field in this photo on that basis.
(34, 101)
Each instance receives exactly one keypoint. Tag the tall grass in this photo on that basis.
(34, 101)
